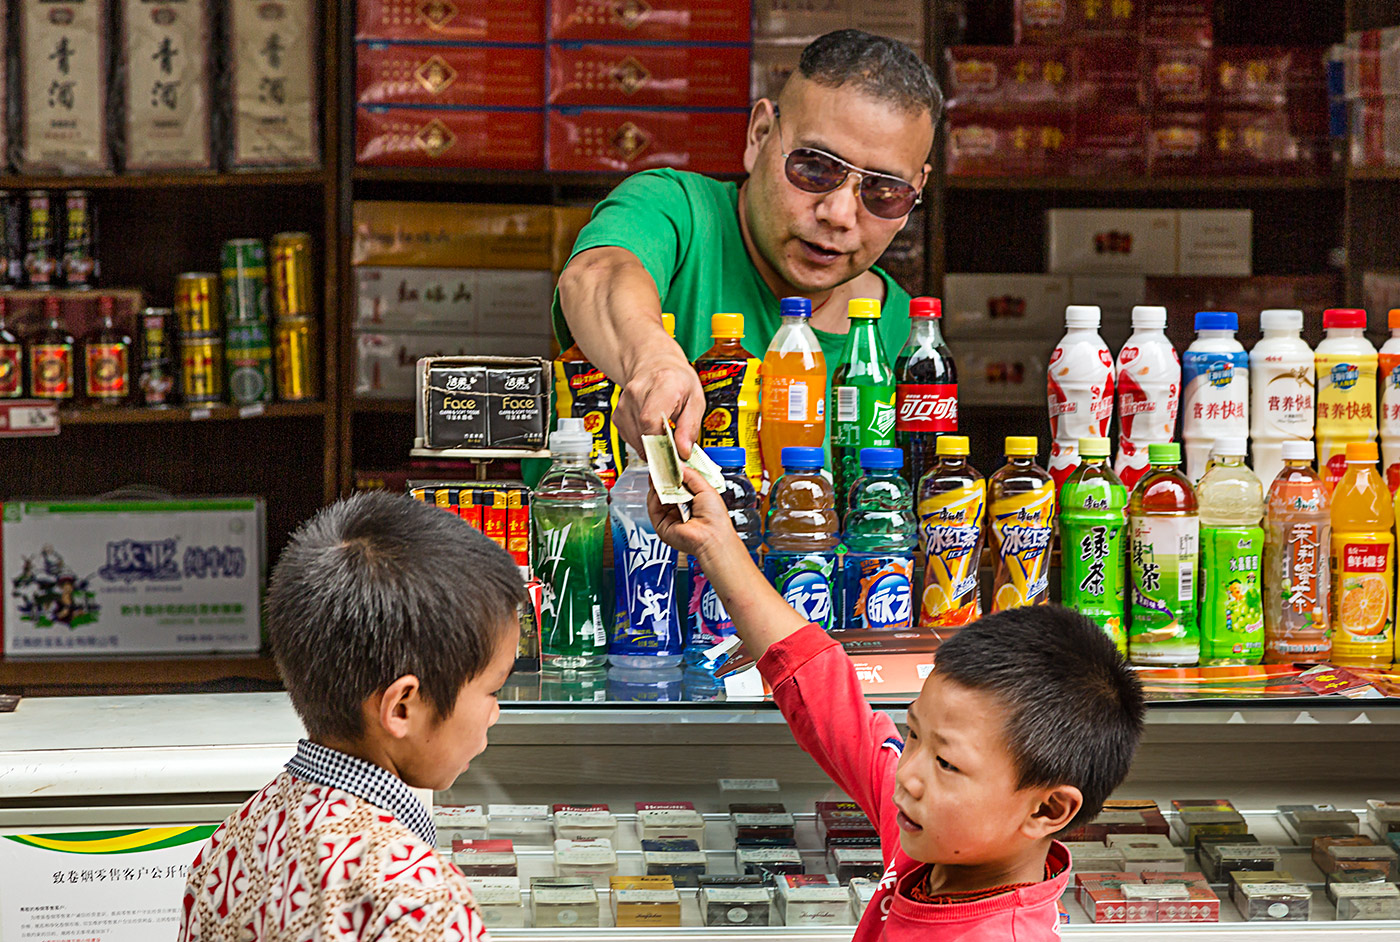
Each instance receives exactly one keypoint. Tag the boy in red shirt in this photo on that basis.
(1028, 722)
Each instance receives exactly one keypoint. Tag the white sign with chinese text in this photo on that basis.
(63, 51)
(167, 61)
(273, 82)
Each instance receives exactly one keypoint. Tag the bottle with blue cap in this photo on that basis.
(709, 622)
(881, 532)
(793, 390)
(803, 529)
(1214, 388)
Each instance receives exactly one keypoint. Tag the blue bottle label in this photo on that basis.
(645, 577)
(807, 582)
(879, 592)
(708, 620)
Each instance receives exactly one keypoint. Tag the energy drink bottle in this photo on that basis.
(709, 621)
(1283, 383)
(1389, 372)
(864, 387)
(1022, 521)
(1093, 505)
(1346, 390)
(802, 537)
(952, 502)
(793, 391)
(880, 536)
(1232, 555)
(1164, 534)
(926, 389)
(1079, 385)
(1363, 563)
(729, 376)
(646, 627)
(1149, 392)
(569, 515)
(582, 391)
(1215, 391)
(1297, 568)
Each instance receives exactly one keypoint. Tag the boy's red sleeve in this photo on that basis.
(815, 686)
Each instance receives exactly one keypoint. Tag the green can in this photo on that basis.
(245, 282)
(248, 352)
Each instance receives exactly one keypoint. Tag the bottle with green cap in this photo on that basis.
(1021, 496)
(1232, 558)
(864, 385)
(1164, 540)
(1093, 508)
(729, 376)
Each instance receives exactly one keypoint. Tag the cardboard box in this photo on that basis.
(1003, 373)
(1009, 76)
(1110, 75)
(452, 299)
(1178, 21)
(116, 578)
(458, 76)
(772, 64)
(1375, 132)
(1251, 76)
(1270, 142)
(386, 363)
(1111, 241)
(389, 136)
(1060, 21)
(993, 144)
(1215, 242)
(1115, 296)
(62, 91)
(275, 99)
(1038, 22)
(1178, 144)
(662, 21)
(1109, 142)
(452, 235)
(461, 21)
(568, 223)
(1013, 305)
(628, 140)
(648, 76)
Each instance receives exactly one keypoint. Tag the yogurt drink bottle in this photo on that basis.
(1149, 392)
(1080, 389)
(1283, 385)
(1215, 388)
(1346, 390)
(1390, 403)
(1297, 551)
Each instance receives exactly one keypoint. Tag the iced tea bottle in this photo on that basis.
(1164, 544)
(1297, 571)
(1363, 563)
(951, 504)
(729, 375)
(1022, 521)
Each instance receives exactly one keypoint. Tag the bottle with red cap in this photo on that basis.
(1346, 389)
(1390, 403)
(926, 387)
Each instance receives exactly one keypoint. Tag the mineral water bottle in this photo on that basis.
(1149, 391)
(1080, 386)
(1363, 563)
(880, 536)
(1021, 496)
(1346, 390)
(1390, 403)
(1163, 533)
(802, 537)
(569, 515)
(1232, 556)
(1093, 507)
(1215, 390)
(792, 410)
(647, 630)
(952, 502)
(709, 621)
(1297, 568)
(1282, 380)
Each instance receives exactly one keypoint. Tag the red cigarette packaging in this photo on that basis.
(625, 140)
(987, 143)
(460, 76)
(647, 76)
(666, 21)
(461, 21)
(390, 136)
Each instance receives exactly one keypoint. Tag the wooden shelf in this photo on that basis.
(464, 175)
(221, 413)
(128, 674)
(1388, 174)
(166, 180)
(384, 406)
(1091, 184)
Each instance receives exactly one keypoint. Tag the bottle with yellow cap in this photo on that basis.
(1022, 519)
(1363, 563)
(952, 500)
(729, 376)
(668, 324)
(864, 386)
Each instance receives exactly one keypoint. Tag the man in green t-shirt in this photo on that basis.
(834, 167)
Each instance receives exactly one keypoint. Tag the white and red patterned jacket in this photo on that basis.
(302, 860)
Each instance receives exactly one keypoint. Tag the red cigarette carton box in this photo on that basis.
(1178, 143)
(987, 143)
(627, 140)
(665, 21)
(459, 76)
(460, 21)
(1178, 21)
(1179, 76)
(1009, 76)
(1109, 142)
(389, 136)
(649, 76)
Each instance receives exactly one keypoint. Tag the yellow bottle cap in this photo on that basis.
(1022, 445)
(863, 308)
(728, 326)
(1362, 452)
(952, 445)
(668, 322)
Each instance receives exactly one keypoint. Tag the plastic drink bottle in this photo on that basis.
(1149, 392)
(709, 621)
(647, 630)
(880, 536)
(926, 389)
(1232, 558)
(793, 411)
(864, 389)
(1093, 506)
(1389, 361)
(1022, 521)
(1283, 383)
(1297, 572)
(1215, 388)
(584, 392)
(569, 514)
(729, 376)
(1080, 386)
(1346, 390)
(668, 324)
(952, 502)
(802, 538)
(1363, 563)
(1163, 532)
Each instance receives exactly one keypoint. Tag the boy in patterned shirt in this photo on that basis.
(394, 626)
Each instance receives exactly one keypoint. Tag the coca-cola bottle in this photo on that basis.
(926, 389)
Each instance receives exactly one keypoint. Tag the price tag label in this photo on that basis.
(247, 412)
(748, 784)
(198, 414)
(22, 418)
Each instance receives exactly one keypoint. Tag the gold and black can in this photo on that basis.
(40, 241)
(80, 268)
(202, 370)
(291, 276)
(295, 359)
(155, 386)
(197, 304)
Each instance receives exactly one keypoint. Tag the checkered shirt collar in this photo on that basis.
(379, 787)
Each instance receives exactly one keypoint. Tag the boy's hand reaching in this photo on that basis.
(708, 526)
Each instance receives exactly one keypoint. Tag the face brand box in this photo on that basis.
(389, 136)
(460, 76)
(634, 139)
(386, 363)
(112, 578)
(1011, 305)
(1111, 241)
(647, 76)
(452, 235)
(665, 21)
(460, 21)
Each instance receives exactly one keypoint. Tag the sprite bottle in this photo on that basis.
(864, 416)
(1092, 517)
(569, 517)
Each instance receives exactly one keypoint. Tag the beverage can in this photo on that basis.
(248, 354)
(297, 379)
(202, 370)
(40, 241)
(245, 282)
(950, 533)
(807, 582)
(879, 591)
(1163, 558)
(79, 255)
(195, 305)
(291, 276)
(1232, 607)
(1079, 385)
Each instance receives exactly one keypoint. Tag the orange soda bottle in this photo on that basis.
(1363, 563)
(793, 384)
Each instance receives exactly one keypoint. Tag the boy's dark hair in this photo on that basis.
(883, 68)
(1074, 707)
(377, 586)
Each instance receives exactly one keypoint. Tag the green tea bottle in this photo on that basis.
(1093, 506)
(1164, 537)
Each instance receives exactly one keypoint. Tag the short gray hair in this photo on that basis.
(883, 68)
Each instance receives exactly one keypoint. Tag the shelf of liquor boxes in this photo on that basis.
(215, 413)
(1143, 183)
(165, 180)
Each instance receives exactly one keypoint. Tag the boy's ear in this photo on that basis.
(393, 707)
(1055, 809)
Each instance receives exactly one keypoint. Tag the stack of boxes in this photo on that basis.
(1126, 88)
(1371, 89)
(783, 28)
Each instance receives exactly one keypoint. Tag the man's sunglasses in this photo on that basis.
(816, 171)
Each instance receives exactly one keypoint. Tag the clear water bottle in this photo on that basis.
(709, 623)
(647, 630)
(881, 533)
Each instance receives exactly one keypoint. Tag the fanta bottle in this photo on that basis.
(793, 411)
(1297, 572)
(1346, 390)
(1390, 403)
(1080, 389)
(729, 376)
(1093, 505)
(1022, 521)
(880, 535)
(1149, 392)
(1363, 563)
(952, 503)
(803, 532)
